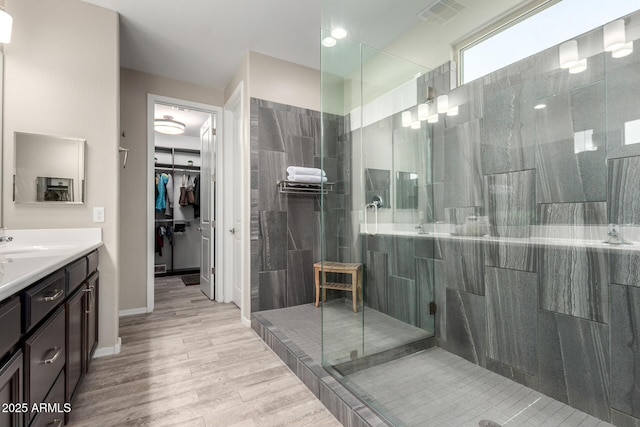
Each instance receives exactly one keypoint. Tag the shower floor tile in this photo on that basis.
(429, 388)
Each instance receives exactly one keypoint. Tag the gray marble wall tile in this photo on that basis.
(376, 278)
(300, 232)
(435, 206)
(463, 170)
(300, 151)
(573, 214)
(255, 173)
(512, 373)
(401, 299)
(513, 256)
(438, 151)
(512, 321)
(624, 190)
(272, 168)
(464, 265)
(508, 127)
(272, 290)
(440, 296)
(402, 258)
(511, 203)
(466, 326)
(271, 136)
(427, 248)
(551, 79)
(622, 105)
(620, 419)
(562, 174)
(574, 281)
(625, 349)
(273, 234)
(425, 292)
(330, 127)
(300, 280)
(625, 267)
(378, 183)
(574, 362)
(458, 215)
(254, 216)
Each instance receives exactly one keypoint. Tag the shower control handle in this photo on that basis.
(232, 231)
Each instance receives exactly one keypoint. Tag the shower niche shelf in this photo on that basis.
(292, 187)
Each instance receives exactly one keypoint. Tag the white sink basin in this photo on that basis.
(33, 250)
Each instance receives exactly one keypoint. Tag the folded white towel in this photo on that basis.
(299, 170)
(308, 179)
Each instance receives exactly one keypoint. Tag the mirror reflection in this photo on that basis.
(48, 169)
(406, 190)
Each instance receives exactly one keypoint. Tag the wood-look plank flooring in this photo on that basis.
(192, 363)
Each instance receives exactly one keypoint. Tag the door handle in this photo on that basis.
(232, 231)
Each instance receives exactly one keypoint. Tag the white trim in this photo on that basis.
(108, 351)
(132, 312)
(246, 322)
(151, 101)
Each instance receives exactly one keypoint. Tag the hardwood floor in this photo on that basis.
(192, 363)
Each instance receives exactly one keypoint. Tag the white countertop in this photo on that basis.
(541, 236)
(34, 254)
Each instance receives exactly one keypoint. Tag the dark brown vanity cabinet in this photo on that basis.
(49, 332)
(11, 392)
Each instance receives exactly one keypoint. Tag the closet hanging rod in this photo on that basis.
(195, 169)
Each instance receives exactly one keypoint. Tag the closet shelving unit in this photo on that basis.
(173, 167)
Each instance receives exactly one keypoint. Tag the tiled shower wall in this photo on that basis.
(563, 320)
(285, 228)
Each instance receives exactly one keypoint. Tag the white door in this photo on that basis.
(237, 211)
(207, 198)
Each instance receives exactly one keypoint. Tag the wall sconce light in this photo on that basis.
(433, 118)
(453, 111)
(416, 124)
(615, 39)
(6, 25)
(406, 119)
(569, 57)
(423, 112)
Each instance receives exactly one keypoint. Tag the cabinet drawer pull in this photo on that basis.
(91, 299)
(55, 296)
(55, 423)
(54, 357)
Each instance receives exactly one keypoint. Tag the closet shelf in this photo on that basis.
(292, 187)
(169, 166)
(176, 150)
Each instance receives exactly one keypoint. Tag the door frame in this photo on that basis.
(234, 182)
(152, 99)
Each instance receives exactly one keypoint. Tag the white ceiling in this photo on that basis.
(204, 41)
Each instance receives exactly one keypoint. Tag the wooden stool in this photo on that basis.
(354, 269)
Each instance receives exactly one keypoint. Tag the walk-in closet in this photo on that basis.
(177, 162)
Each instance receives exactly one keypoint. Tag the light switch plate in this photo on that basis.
(98, 214)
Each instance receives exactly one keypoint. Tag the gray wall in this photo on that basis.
(285, 228)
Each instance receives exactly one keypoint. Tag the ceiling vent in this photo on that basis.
(441, 12)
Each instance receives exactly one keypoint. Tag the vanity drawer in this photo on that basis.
(10, 317)
(76, 273)
(55, 397)
(45, 357)
(42, 298)
(93, 260)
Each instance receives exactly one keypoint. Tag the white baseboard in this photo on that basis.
(108, 351)
(246, 322)
(132, 311)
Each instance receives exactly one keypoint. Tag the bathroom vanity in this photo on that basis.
(49, 290)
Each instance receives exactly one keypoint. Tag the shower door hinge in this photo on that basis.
(433, 308)
(214, 131)
(213, 271)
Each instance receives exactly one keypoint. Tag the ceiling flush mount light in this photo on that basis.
(6, 25)
(168, 126)
(338, 33)
(329, 42)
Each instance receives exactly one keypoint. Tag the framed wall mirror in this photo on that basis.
(48, 169)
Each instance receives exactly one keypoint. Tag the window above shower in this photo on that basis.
(531, 30)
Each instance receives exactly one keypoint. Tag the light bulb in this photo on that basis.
(432, 118)
(406, 119)
(423, 112)
(568, 54)
(622, 51)
(6, 24)
(443, 104)
(328, 42)
(453, 111)
(578, 67)
(338, 33)
(614, 35)
(415, 125)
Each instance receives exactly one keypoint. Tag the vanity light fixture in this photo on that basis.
(338, 33)
(168, 126)
(6, 25)
(453, 111)
(329, 42)
(432, 118)
(423, 111)
(443, 104)
(624, 50)
(406, 119)
(614, 35)
(416, 124)
(569, 57)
